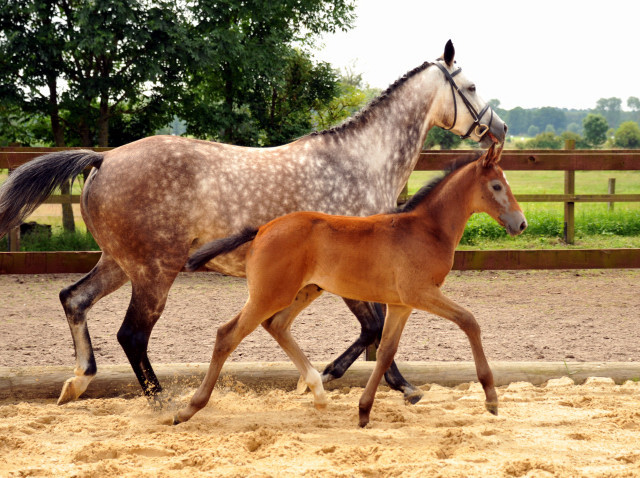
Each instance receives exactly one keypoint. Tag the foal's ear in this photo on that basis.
(492, 156)
(449, 53)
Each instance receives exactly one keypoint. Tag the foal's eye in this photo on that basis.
(497, 187)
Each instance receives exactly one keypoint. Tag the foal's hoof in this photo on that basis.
(176, 420)
(363, 421)
(492, 407)
(413, 396)
(321, 402)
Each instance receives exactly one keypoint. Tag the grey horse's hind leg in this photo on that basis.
(148, 298)
(371, 318)
(76, 300)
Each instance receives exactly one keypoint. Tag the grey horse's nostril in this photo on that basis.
(505, 128)
(523, 226)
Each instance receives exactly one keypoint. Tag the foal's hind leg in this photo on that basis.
(279, 326)
(77, 299)
(371, 318)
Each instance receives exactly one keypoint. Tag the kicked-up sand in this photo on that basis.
(556, 430)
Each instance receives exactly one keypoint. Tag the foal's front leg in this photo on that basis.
(227, 339)
(438, 304)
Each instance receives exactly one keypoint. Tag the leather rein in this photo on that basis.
(480, 128)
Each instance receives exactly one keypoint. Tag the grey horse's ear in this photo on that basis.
(449, 53)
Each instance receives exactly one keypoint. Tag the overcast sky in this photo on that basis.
(562, 53)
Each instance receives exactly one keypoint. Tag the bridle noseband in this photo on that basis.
(480, 128)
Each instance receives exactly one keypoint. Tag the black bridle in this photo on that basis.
(480, 128)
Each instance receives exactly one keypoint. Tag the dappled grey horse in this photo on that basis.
(150, 203)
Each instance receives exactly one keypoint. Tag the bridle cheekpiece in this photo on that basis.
(480, 128)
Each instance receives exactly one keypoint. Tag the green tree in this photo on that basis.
(495, 106)
(573, 128)
(93, 59)
(518, 120)
(611, 109)
(283, 110)
(353, 95)
(82, 63)
(633, 103)
(443, 138)
(549, 116)
(628, 135)
(247, 47)
(18, 127)
(595, 129)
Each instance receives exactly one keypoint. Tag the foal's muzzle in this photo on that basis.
(514, 222)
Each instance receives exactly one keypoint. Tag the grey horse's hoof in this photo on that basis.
(413, 396)
(327, 377)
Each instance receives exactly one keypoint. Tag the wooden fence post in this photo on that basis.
(13, 238)
(370, 353)
(611, 189)
(569, 207)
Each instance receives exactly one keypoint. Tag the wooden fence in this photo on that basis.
(567, 160)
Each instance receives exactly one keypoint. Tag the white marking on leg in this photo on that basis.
(314, 381)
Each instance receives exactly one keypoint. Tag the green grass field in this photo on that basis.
(596, 226)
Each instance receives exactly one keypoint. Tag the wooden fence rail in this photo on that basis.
(568, 160)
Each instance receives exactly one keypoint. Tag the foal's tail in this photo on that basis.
(30, 184)
(219, 246)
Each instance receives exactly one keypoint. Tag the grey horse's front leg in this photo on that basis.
(371, 318)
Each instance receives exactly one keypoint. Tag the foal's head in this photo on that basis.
(493, 194)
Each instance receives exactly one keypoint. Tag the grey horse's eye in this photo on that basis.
(472, 88)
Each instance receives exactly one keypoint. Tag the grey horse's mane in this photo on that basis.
(363, 115)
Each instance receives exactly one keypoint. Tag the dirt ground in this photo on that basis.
(556, 430)
(524, 316)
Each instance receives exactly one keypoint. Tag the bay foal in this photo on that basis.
(400, 259)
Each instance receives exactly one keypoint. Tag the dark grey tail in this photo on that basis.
(29, 185)
(219, 246)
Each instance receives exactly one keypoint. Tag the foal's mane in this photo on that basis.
(363, 115)
(428, 188)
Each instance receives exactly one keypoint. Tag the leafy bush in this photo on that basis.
(59, 240)
(628, 135)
